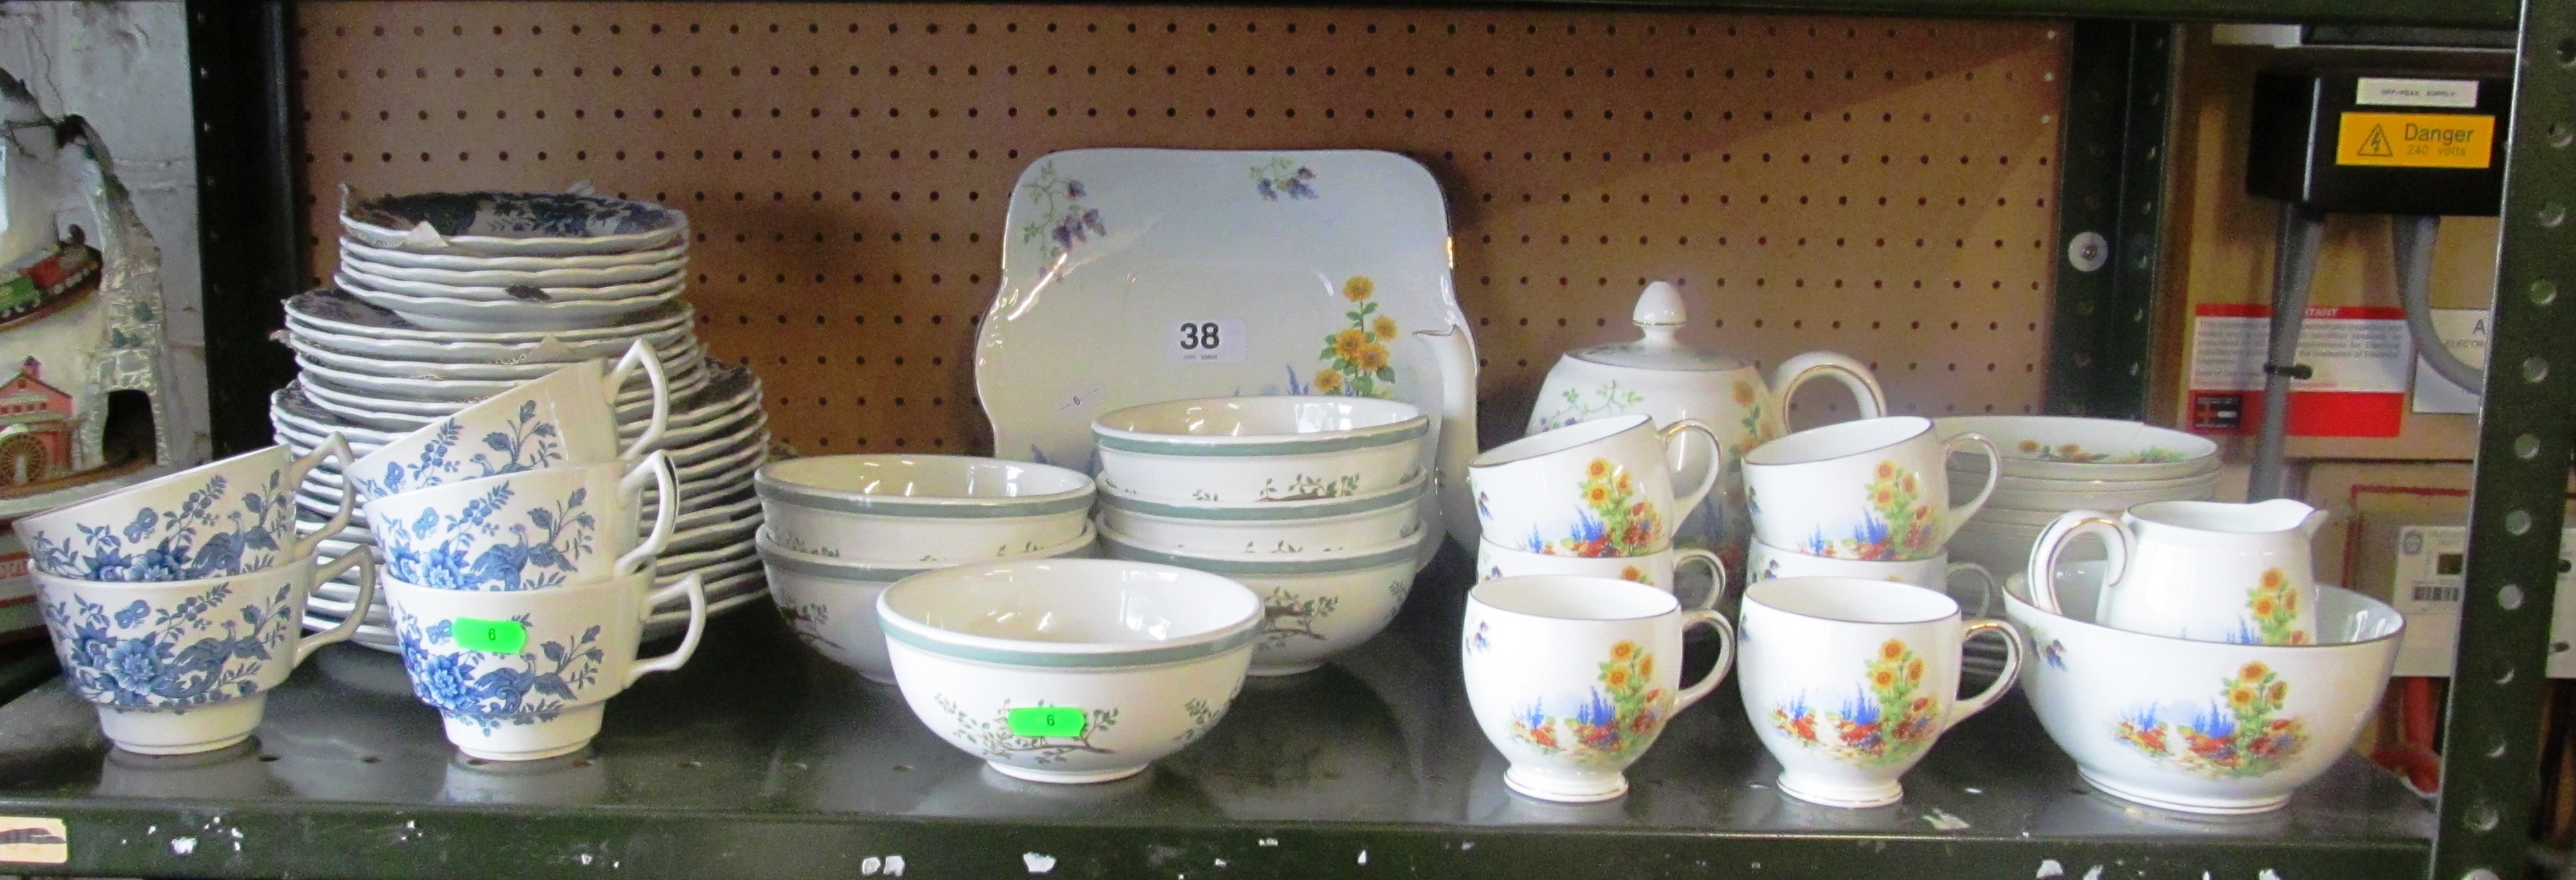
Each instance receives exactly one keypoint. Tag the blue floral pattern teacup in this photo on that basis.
(532, 530)
(212, 521)
(186, 666)
(566, 418)
(522, 676)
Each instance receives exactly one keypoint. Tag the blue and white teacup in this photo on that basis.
(569, 417)
(532, 530)
(179, 667)
(524, 676)
(211, 521)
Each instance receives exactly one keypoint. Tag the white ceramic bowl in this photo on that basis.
(509, 224)
(1135, 660)
(2207, 727)
(1316, 605)
(831, 604)
(1237, 450)
(900, 509)
(2072, 448)
(1260, 529)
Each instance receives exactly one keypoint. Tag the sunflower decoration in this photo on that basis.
(2273, 606)
(1357, 356)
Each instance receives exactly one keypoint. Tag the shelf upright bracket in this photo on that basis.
(2110, 214)
(247, 215)
(2490, 751)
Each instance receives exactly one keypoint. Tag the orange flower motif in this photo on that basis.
(2028, 446)
(1383, 327)
(1882, 678)
(1327, 382)
(2070, 450)
(1882, 498)
(1886, 470)
(2263, 607)
(2254, 670)
(1615, 678)
(1625, 484)
(1632, 573)
(1646, 667)
(1372, 358)
(1910, 485)
(2273, 579)
(1743, 394)
(2280, 690)
(1358, 288)
(2243, 696)
(1914, 670)
(1597, 469)
(1597, 494)
(1349, 343)
(1892, 650)
(1623, 650)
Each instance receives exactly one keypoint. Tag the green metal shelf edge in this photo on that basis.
(313, 839)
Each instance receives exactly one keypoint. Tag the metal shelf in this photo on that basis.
(762, 759)
(2485, 14)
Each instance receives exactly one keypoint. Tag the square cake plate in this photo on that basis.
(1132, 276)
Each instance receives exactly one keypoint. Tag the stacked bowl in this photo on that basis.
(842, 528)
(445, 299)
(2054, 464)
(1313, 502)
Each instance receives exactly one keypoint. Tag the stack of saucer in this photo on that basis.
(443, 299)
(2054, 464)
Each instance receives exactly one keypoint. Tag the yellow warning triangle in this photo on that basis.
(2376, 144)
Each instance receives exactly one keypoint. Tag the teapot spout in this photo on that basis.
(1455, 355)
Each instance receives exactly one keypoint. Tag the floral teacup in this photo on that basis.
(178, 667)
(523, 676)
(565, 418)
(1611, 487)
(1767, 562)
(1849, 681)
(1572, 678)
(527, 531)
(211, 521)
(1657, 569)
(1874, 489)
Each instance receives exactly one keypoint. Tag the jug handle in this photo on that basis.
(1853, 375)
(2042, 574)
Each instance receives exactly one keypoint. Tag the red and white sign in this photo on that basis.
(2360, 356)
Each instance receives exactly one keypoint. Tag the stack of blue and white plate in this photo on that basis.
(442, 299)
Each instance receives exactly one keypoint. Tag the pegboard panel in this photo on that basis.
(1875, 186)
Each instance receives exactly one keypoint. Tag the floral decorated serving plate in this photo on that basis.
(2072, 448)
(509, 224)
(1134, 276)
(342, 320)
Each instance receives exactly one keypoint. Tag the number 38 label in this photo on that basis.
(1218, 341)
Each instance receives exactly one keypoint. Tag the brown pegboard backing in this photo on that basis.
(1875, 186)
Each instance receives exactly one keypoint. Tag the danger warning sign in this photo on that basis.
(2416, 140)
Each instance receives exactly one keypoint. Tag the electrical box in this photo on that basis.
(2380, 141)
(2430, 576)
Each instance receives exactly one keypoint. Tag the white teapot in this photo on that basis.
(1661, 377)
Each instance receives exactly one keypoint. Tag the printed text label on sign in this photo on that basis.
(2416, 140)
(491, 636)
(1045, 721)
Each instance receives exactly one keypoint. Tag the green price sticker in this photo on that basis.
(1046, 721)
(491, 636)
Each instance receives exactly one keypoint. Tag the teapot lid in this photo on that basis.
(1661, 314)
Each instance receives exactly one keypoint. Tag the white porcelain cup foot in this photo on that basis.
(1566, 787)
(1067, 776)
(1284, 669)
(2205, 806)
(569, 731)
(1834, 794)
(183, 731)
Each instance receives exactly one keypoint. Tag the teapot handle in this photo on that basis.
(1853, 375)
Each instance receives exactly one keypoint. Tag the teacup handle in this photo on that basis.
(1725, 656)
(1959, 711)
(656, 466)
(1994, 474)
(2042, 572)
(1852, 374)
(697, 593)
(1716, 574)
(366, 561)
(333, 445)
(1985, 594)
(1716, 463)
(642, 355)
